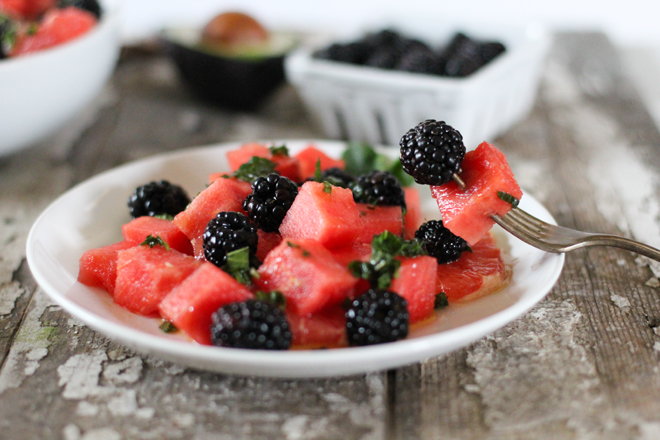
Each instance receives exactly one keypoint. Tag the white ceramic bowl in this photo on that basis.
(379, 106)
(42, 91)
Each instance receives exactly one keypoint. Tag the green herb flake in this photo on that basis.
(273, 297)
(361, 158)
(254, 168)
(318, 174)
(305, 252)
(152, 241)
(238, 265)
(168, 327)
(441, 301)
(279, 151)
(383, 265)
(508, 198)
(327, 187)
(169, 217)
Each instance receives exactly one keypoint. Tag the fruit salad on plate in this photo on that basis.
(305, 250)
(28, 26)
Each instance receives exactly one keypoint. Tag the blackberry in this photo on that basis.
(462, 56)
(226, 232)
(158, 198)
(432, 152)
(354, 52)
(337, 177)
(385, 57)
(440, 242)
(490, 50)
(375, 317)
(270, 200)
(421, 60)
(379, 188)
(251, 324)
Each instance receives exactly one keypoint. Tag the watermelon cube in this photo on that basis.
(285, 165)
(331, 218)
(146, 275)
(416, 282)
(221, 195)
(475, 274)
(307, 275)
(308, 158)
(98, 267)
(266, 243)
(378, 219)
(467, 212)
(326, 329)
(137, 230)
(189, 305)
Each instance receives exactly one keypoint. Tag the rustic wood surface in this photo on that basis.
(583, 364)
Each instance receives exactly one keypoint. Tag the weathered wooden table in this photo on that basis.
(584, 364)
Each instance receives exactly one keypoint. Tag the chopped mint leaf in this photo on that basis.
(238, 265)
(169, 217)
(152, 241)
(327, 187)
(383, 264)
(318, 175)
(279, 151)
(168, 327)
(253, 168)
(508, 198)
(361, 158)
(441, 301)
(273, 297)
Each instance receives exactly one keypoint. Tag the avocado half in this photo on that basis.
(237, 77)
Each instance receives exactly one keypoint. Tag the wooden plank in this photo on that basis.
(583, 363)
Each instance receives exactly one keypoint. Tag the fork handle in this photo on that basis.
(620, 242)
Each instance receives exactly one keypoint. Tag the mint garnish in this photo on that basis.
(152, 241)
(273, 297)
(279, 151)
(441, 301)
(508, 198)
(238, 266)
(168, 327)
(252, 169)
(361, 158)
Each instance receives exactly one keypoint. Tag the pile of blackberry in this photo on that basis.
(390, 49)
(440, 242)
(226, 232)
(157, 198)
(375, 317)
(251, 324)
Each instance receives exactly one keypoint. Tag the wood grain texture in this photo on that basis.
(583, 364)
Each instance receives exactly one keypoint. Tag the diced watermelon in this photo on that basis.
(414, 218)
(308, 158)
(56, 27)
(98, 267)
(145, 275)
(267, 242)
(467, 213)
(475, 274)
(326, 329)
(331, 218)
(137, 230)
(285, 165)
(351, 252)
(222, 195)
(378, 219)
(307, 275)
(416, 282)
(189, 305)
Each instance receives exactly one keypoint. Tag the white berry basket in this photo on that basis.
(379, 106)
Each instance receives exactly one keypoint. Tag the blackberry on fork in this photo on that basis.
(432, 152)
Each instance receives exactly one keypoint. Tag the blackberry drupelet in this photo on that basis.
(421, 60)
(375, 317)
(432, 152)
(226, 232)
(158, 198)
(270, 200)
(440, 242)
(251, 324)
(379, 188)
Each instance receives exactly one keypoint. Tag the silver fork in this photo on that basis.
(558, 239)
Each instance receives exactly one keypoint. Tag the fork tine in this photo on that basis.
(519, 226)
(527, 219)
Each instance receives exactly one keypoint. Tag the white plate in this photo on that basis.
(90, 215)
